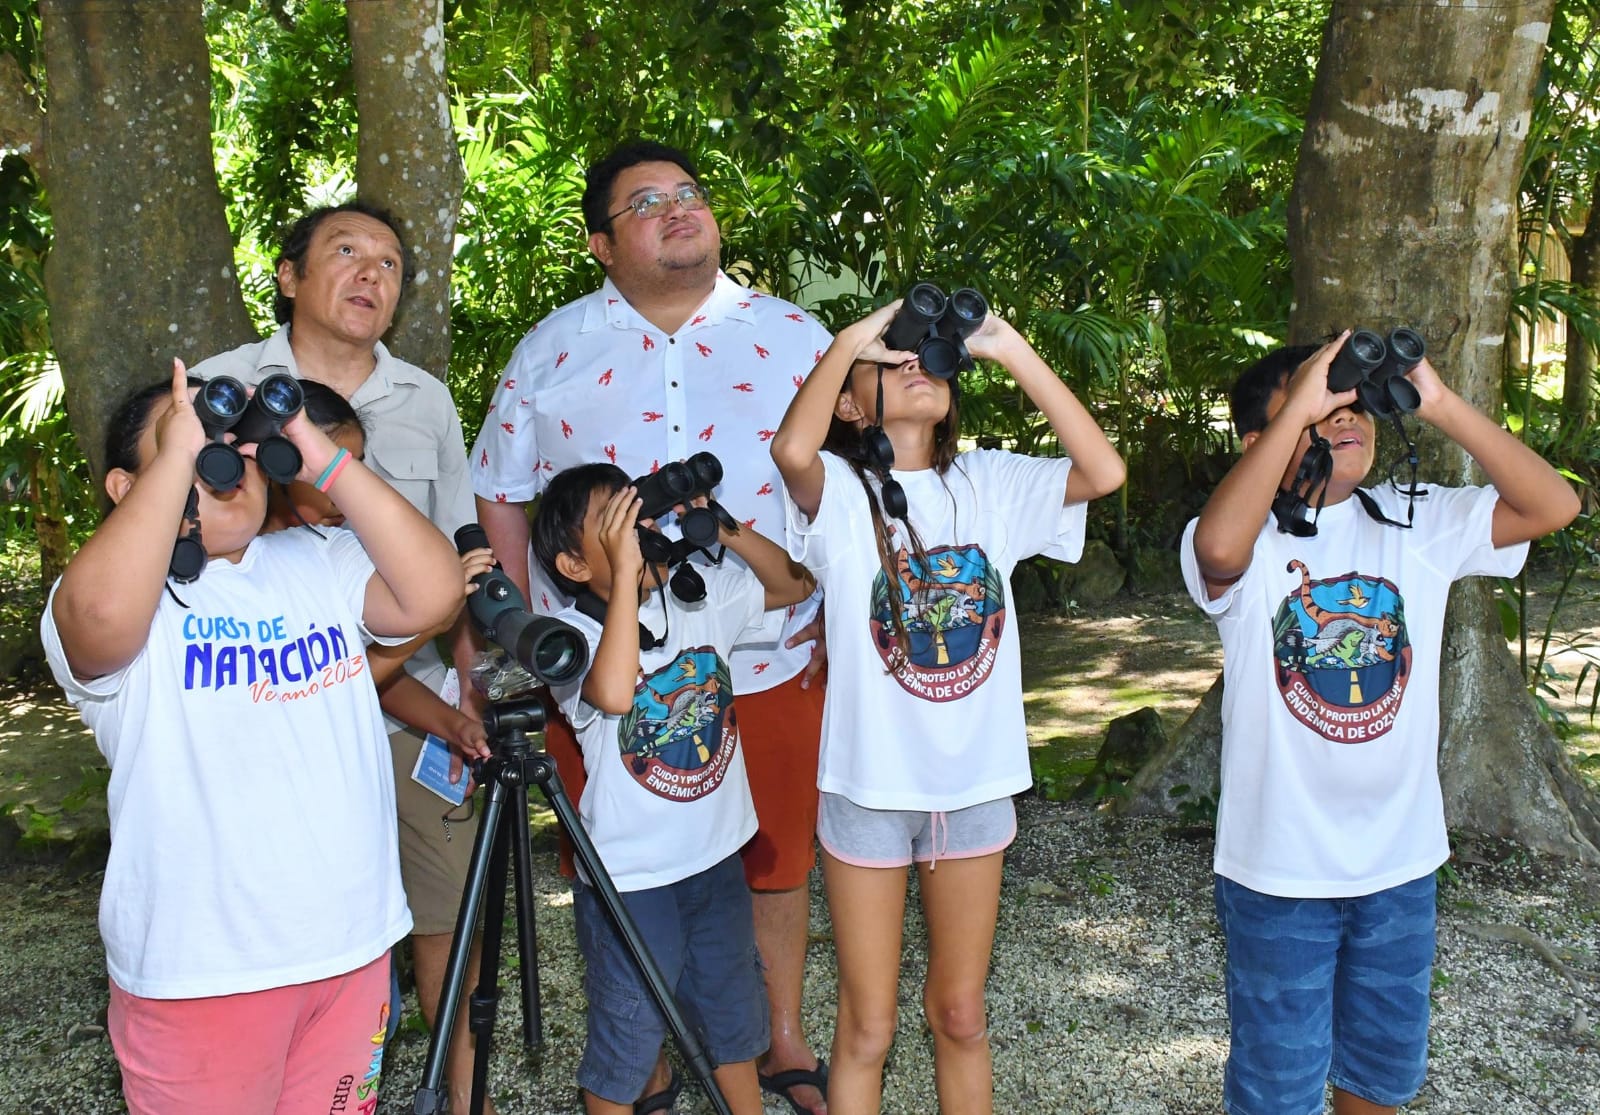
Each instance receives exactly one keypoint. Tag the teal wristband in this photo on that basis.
(331, 473)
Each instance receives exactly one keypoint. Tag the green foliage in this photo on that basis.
(1196, 809)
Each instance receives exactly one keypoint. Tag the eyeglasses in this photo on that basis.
(690, 197)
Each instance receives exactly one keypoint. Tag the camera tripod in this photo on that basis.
(502, 834)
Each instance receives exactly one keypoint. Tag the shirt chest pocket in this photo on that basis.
(411, 470)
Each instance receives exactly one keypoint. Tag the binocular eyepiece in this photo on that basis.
(554, 652)
(1378, 369)
(935, 327)
(224, 405)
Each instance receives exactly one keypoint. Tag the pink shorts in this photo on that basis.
(309, 1047)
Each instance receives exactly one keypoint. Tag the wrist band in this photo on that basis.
(331, 473)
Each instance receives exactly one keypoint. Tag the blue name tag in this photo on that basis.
(433, 771)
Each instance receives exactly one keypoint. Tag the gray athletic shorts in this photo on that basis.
(865, 837)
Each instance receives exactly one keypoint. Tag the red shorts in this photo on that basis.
(309, 1047)
(780, 730)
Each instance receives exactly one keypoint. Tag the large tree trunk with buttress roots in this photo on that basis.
(141, 265)
(1402, 214)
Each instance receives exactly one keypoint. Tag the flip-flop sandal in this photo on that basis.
(779, 1083)
(662, 1100)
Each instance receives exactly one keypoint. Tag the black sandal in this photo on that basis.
(662, 1100)
(779, 1083)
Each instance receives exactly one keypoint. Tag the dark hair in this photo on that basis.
(844, 440)
(127, 423)
(558, 520)
(602, 176)
(297, 241)
(1255, 385)
(330, 411)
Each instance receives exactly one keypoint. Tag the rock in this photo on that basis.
(1129, 743)
(1097, 576)
(1155, 573)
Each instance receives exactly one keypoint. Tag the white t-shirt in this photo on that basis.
(667, 795)
(1330, 707)
(595, 381)
(253, 840)
(945, 730)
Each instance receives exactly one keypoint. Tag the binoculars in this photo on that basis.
(678, 482)
(674, 483)
(1378, 369)
(935, 327)
(223, 405)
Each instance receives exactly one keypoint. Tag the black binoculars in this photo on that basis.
(1378, 369)
(935, 327)
(677, 482)
(223, 405)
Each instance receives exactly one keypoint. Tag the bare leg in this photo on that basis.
(783, 919)
(1346, 1104)
(868, 906)
(430, 955)
(961, 901)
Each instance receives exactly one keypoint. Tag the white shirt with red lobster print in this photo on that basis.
(1330, 700)
(594, 381)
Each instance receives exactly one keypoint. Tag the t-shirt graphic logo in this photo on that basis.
(954, 610)
(1343, 655)
(679, 737)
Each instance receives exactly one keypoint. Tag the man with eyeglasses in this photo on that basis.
(668, 358)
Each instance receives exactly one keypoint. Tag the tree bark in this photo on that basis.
(1577, 384)
(1402, 214)
(407, 160)
(141, 268)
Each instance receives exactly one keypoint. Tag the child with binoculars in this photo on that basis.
(923, 741)
(1331, 819)
(253, 889)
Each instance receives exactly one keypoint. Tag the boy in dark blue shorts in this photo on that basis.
(667, 803)
(1331, 819)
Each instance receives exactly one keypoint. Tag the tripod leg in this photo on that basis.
(527, 940)
(588, 858)
(485, 1002)
(432, 1097)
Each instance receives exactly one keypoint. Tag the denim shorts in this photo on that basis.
(700, 932)
(865, 837)
(1326, 990)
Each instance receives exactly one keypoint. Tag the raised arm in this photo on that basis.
(614, 674)
(786, 582)
(799, 439)
(417, 581)
(1535, 499)
(112, 586)
(1225, 536)
(1097, 468)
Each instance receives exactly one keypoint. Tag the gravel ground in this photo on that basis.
(1106, 994)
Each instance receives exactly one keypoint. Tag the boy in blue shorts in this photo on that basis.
(667, 803)
(1331, 820)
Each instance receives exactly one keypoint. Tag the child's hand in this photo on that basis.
(317, 449)
(869, 336)
(994, 339)
(1433, 390)
(475, 563)
(1309, 398)
(468, 742)
(618, 536)
(179, 429)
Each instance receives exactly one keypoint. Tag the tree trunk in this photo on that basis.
(141, 268)
(1577, 384)
(1402, 214)
(407, 160)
